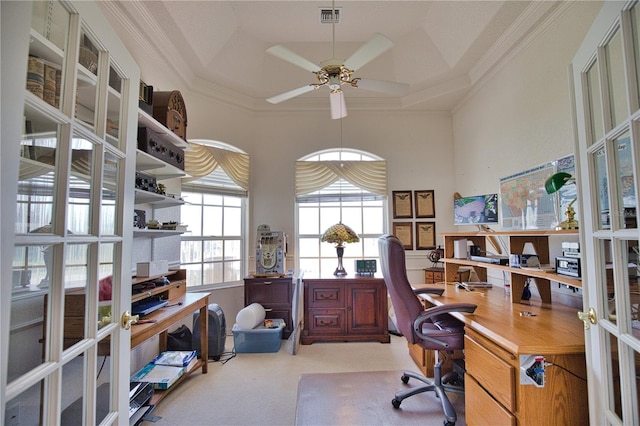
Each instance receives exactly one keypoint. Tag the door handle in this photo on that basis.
(128, 319)
(588, 317)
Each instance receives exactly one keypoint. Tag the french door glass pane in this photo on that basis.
(594, 103)
(616, 81)
(615, 401)
(87, 84)
(623, 155)
(25, 408)
(105, 284)
(632, 274)
(30, 295)
(76, 283)
(635, 26)
(49, 24)
(73, 398)
(50, 20)
(37, 174)
(79, 203)
(605, 252)
(114, 100)
(109, 192)
(600, 170)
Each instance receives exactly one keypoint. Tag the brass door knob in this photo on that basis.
(128, 319)
(588, 317)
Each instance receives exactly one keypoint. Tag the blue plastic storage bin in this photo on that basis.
(258, 339)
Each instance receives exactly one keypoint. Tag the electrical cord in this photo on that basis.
(550, 364)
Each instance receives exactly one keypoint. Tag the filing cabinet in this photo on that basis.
(436, 275)
(275, 295)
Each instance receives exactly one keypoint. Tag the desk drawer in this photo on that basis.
(268, 291)
(326, 297)
(481, 409)
(489, 370)
(326, 322)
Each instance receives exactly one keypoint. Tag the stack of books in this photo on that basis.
(165, 369)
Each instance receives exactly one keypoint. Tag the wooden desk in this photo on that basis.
(498, 336)
(165, 318)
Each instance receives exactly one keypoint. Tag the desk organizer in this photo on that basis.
(258, 339)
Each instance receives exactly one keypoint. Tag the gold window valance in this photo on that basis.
(312, 176)
(201, 160)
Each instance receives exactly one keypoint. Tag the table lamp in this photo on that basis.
(339, 234)
(552, 185)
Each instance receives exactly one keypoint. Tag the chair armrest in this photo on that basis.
(428, 290)
(427, 314)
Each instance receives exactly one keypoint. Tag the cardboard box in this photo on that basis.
(258, 339)
(150, 269)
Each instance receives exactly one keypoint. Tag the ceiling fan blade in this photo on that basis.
(291, 94)
(390, 87)
(283, 53)
(374, 47)
(338, 106)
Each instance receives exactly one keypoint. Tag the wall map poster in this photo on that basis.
(524, 203)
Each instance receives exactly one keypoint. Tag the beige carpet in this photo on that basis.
(364, 398)
(261, 389)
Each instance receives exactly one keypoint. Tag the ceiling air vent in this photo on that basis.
(326, 15)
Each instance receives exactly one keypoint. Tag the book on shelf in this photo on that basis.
(162, 376)
(186, 359)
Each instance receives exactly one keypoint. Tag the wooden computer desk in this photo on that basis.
(499, 334)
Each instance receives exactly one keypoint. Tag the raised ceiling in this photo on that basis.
(441, 48)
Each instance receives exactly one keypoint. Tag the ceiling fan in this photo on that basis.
(335, 72)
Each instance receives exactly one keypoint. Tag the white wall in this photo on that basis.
(521, 116)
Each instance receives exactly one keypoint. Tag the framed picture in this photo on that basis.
(402, 205)
(425, 204)
(404, 232)
(425, 235)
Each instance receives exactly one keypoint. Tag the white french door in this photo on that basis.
(606, 75)
(69, 126)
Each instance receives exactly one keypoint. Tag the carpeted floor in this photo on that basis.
(364, 398)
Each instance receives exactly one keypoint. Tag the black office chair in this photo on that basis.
(432, 329)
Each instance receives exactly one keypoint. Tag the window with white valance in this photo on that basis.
(340, 185)
(215, 210)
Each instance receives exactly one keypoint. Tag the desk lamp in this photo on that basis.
(552, 185)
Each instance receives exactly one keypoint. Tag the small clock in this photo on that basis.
(366, 266)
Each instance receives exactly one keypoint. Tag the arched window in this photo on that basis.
(339, 185)
(215, 195)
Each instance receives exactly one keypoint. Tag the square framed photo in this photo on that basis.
(425, 204)
(404, 232)
(425, 235)
(402, 205)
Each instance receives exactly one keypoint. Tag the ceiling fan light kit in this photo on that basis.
(336, 72)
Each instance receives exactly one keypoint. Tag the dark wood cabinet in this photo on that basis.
(345, 309)
(275, 295)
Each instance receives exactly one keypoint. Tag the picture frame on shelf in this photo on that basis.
(425, 235)
(425, 203)
(404, 232)
(402, 205)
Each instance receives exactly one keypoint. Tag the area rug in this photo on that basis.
(364, 398)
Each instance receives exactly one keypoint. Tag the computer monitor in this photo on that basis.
(476, 210)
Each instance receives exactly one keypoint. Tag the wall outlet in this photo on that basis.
(532, 370)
